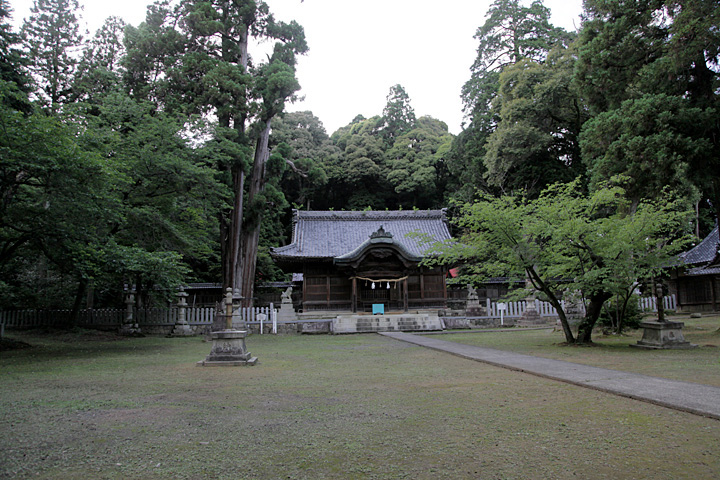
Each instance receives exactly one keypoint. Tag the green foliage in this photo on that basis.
(618, 315)
(398, 114)
(540, 115)
(52, 193)
(52, 40)
(650, 70)
(566, 240)
(99, 71)
(508, 143)
(310, 156)
(654, 141)
(414, 161)
(12, 63)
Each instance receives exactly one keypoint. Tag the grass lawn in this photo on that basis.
(342, 407)
(700, 365)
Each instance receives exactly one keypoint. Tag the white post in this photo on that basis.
(501, 308)
(273, 315)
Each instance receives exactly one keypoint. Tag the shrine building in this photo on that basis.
(365, 262)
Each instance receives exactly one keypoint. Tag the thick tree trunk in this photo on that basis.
(233, 268)
(251, 233)
(591, 316)
(79, 294)
(540, 285)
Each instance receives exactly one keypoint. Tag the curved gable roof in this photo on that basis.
(330, 234)
(381, 238)
(704, 252)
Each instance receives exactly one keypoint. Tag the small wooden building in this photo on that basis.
(352, 261)
(697, 281)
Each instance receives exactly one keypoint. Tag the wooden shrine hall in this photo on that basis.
(365, 262)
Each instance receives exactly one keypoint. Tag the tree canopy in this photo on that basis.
(565, 241)
(158, 153)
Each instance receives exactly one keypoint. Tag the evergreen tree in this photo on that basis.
(311, 155)
(398, 114)
(100, 70)
(414, 164)
(195, 59)
(540, 114)
(650, 71)
(511, 33)
(53, 41)
(12, 63)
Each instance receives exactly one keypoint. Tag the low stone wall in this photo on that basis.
(457, 323)
(289, 328)
(167, 329)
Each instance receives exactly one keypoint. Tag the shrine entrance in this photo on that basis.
(388, 292)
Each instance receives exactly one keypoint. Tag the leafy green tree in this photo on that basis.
(100, 70)
(311, 154)
(195, 59)
(511, 33)
(12, 63)
(566, 240)
(53, 41)
(656, 141)
(414, 163)
(655, 61)
(52, 192)
(362, 173)
(540, 115)
(166, 198)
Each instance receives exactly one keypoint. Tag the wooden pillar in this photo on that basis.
(304, 289)
(353, 295)
(444, 285)
(405, 294)
(327, 291)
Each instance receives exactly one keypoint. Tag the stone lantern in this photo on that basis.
(228, 348)
(662, 334)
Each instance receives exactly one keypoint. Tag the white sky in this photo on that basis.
(358, 50)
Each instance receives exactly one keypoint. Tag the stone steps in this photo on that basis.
(386, 323)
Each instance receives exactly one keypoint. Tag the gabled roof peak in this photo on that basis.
(331, 234)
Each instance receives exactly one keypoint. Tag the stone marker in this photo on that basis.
(662, 334)
(228, 349)
(130, 326)
(182, 328)
(287, 314)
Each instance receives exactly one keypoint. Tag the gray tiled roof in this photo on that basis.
(326, 235)
(704, 252)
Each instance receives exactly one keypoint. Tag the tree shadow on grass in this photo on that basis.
(45, 343)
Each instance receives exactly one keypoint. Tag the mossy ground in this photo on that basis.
(345, 407)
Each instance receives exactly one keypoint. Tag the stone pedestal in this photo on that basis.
(287, 314)
(662, 335)
(228, 350)
(472, 306)
(530, 316)
(182, 330)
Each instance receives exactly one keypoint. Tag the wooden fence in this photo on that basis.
(116, 317)
(198, 316)
(516, 309)
(649, 304)
(545, 309)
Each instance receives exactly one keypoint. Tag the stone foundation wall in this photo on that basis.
(454, 323)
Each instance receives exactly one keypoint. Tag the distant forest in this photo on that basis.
(162, 154)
